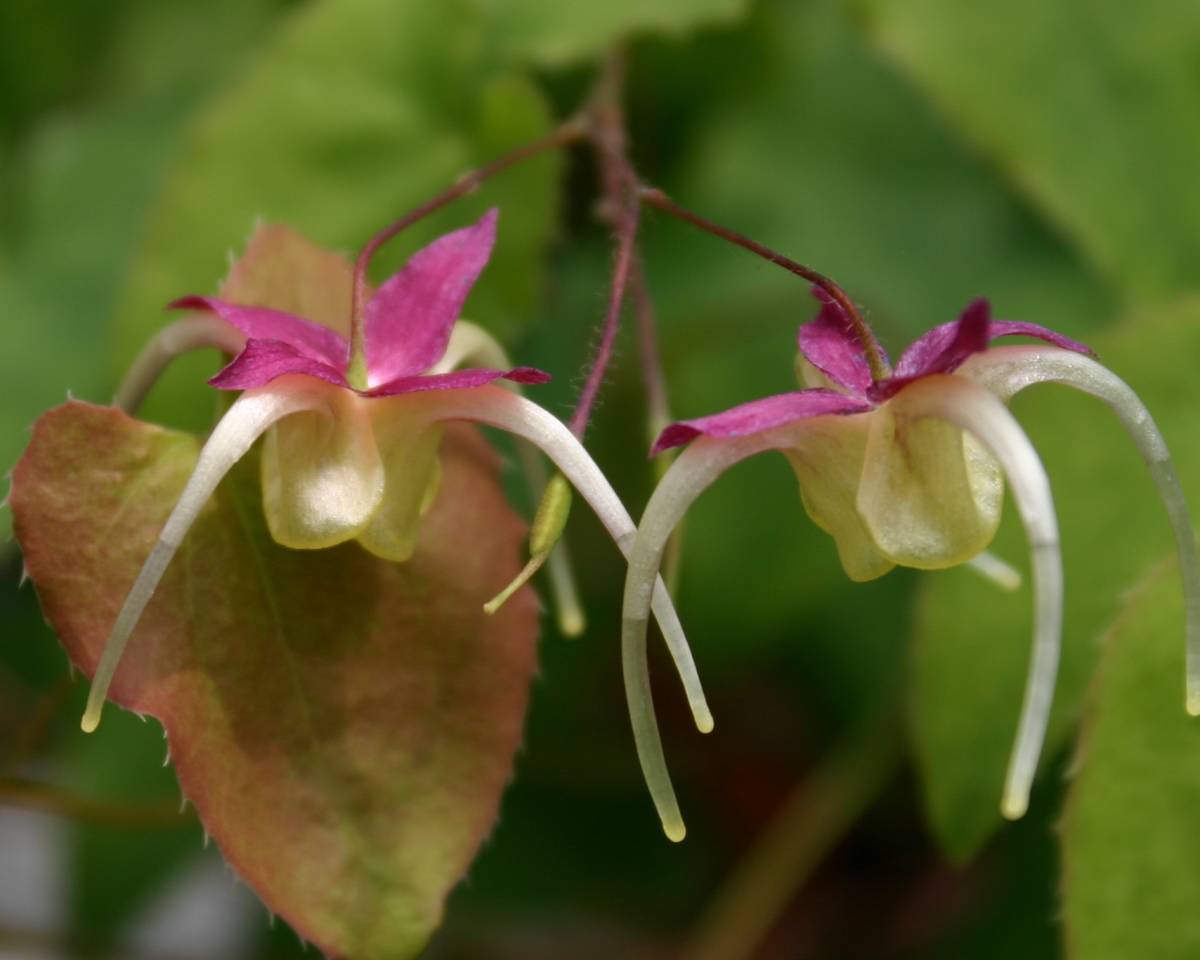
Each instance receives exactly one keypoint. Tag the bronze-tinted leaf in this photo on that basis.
(344, 726)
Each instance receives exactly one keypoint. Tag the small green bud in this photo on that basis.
(551, 517)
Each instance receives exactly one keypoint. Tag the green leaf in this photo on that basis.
(343, 726)
(972, 640)
(552, 34)
(1130, 884)
(358, 111)
(1083, 106)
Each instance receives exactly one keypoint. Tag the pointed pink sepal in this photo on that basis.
(409, 319)
(759, 415)
(945, 348)
(831, 345)
(261, 323)
(262, 361)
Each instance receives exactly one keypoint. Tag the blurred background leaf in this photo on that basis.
(94, 105)
(552, 33)
(1130, 832)
(1084, 108)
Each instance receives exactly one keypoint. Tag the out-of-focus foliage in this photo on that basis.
(83, 146)
(1084, 108)
(551, 33)
(1130, 830)
(922, 153)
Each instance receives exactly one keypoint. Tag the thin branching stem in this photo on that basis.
(619, 185)
(563, 135)
(657, 198)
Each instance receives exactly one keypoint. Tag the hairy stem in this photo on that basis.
(606, 130)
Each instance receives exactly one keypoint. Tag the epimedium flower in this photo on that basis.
(905, 468)
(352, 424)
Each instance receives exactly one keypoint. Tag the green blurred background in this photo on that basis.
(922, 152)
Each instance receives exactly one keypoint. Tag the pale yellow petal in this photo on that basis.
(322, 474)
(930, 495)
(408, 440)
(826, 454)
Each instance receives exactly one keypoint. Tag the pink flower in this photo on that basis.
(352, 425)
(905, 468)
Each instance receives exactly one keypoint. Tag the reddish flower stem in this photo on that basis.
(626, 233)
(562, 136)
(619, 183)
(657, 198)
(602, 123)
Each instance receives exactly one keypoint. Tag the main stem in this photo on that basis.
(619, 183)
(564, 135)
(623, 195)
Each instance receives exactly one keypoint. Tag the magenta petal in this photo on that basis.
(944, 348)
(831, 344)
(457, 380)
(408, 320)
(759, 415)
(262, 361)
(262, 323)
(1016, 328)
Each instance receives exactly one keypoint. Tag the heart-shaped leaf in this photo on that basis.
(344, 726)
